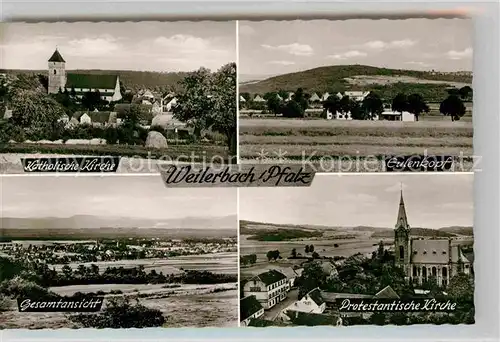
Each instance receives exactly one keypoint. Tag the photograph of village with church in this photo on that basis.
(303, 251)
(322, 90)
(154, 260)
(138, 90)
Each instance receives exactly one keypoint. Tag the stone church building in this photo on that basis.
(107, 85)
(422, 258)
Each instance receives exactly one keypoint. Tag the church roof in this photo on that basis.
(56, 57)
(402, 219)
(90, 81)
(387, 292)
(430, 251)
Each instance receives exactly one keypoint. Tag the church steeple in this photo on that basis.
(56, 57)
(402, 221)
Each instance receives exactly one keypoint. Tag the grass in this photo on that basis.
(292, 139)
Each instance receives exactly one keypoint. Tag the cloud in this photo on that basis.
(395, 44)
(282, 62)
(452, 54)
(183, 43)
(348, 54)
(293, 49)
(92, 47)
(422, 64)
(246, 30)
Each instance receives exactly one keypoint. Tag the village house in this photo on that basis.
(269, 288)
(258, 98)
(291, 275)
(60, 80)
(423, 258)
(312, 302)
(250, 308)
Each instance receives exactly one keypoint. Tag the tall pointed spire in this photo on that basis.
(56, 57)
(402, 221)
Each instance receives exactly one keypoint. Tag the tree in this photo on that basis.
(332, 104)
(92, 100)
(465, 93)
(293, 254)
(311, 278)
(315, 255)
(273, 103)
(208, 102)
(417, 105)
(293, 109)
(301, 99)
(452, 106)
(400, 103)
(307, 249)
(311, 248)
(37, 113)
(372, 105)
(380, 250)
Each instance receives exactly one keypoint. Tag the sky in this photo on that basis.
(431, 201)
(280, 47)
(141, 46)
(135, 197)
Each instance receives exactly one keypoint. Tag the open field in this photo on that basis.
(184, 306)
(295, 140)
(216, 263)
(336, 241)
(368, 80)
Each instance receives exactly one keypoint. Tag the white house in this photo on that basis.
(269, 288)
(312, 302)
(291, 275)
(315, 98)
(357, 95)
(396, 116)
(250, 308)
(242, 99)
(170, 105)
(85, 119)
(258, 98)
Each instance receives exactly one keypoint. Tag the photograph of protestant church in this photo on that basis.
(59, 80)
(421, 258)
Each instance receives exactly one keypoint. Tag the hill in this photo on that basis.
(89, 222)
(7, 234)
(467, 231)
(339, 78)
(134, 80)
(424, 232)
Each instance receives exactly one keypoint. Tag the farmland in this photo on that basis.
(183, 306)
(291, 140)
(334, 242)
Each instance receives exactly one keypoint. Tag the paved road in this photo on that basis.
(276, 310)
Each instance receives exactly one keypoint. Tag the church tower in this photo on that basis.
(57, 73)
(402, 252)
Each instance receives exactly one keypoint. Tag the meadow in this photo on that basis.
(224, 263)
(183, 306)
(291, 140)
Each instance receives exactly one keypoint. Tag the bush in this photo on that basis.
(120, 314)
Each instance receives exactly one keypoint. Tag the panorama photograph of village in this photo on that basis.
(157, 258)
(321, 90)
(136, 89)
(303, 251)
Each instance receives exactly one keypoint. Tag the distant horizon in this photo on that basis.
(305, 225)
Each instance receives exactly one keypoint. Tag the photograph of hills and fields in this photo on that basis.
(157, 258)
(155, 90)
(304, 251)
(321, 91)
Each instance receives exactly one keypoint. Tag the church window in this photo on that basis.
(445, 272)
(433, 252)
(424, 272)
(401, 252)
(415, 252)
(55, 71)
(434, 271)
(414, 271)
(466, 266)
(425, 252)
(444, 252)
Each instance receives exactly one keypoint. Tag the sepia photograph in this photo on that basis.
(306, 252)
(158, 257)
(140, 90)
(320, 91)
